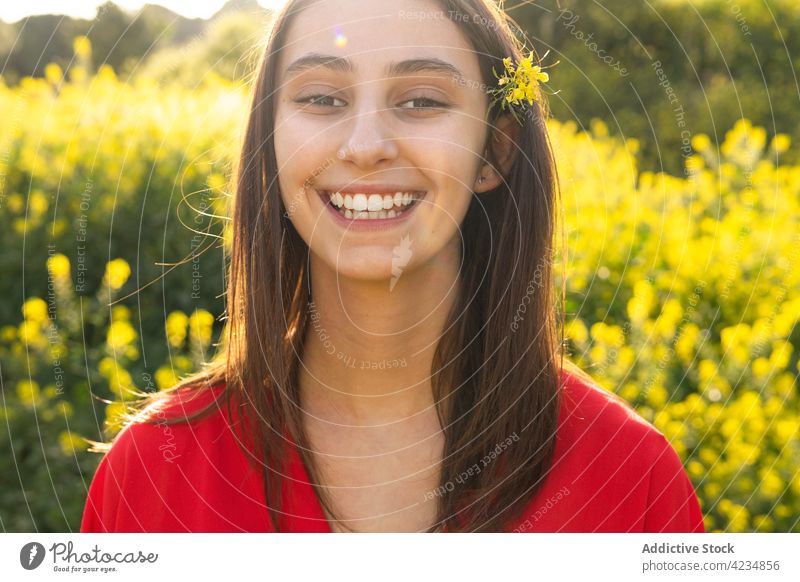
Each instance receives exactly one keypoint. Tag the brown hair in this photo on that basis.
(496, 369)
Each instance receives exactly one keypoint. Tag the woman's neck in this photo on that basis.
(368, 348)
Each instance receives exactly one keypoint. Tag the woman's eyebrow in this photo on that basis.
(407, 67)
(314, 60)
(424, 65)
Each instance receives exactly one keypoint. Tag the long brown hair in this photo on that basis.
(495, 372)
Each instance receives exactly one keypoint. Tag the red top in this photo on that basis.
(612, 472)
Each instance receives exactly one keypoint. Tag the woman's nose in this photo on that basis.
(368, 140)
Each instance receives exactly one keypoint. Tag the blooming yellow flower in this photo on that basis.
(576, 330)
(760, 367)
(37, 204)
(59, 267)
(526, 66)
(771, 485)
(117, 273)
(739, 519)
(120, 334)
(118, 378)
(165, 377)
(640, 305)
(35, 309)
(30, 334)
(70, 442)
(28, 392)
(200, 325)
(530, 93)
(781, 142)
(781, 353)
(519, 84)
(82, 46)
(53, 74)
(176, 328)
(701, 142)
(120, 312)
(707, 370)
(657, 396)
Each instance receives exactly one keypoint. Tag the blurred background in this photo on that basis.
(675, 124)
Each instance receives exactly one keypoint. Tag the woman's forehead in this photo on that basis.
(370, 36)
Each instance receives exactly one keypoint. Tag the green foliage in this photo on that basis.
(45, 471)
(122, 39)
(228, 49)
(721, 60)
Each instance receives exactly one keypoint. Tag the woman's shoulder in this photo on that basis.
(612, 470)
(159, 469)
(602, 438)
(592, 412)
(172, 425)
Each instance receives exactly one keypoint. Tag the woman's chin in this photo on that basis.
(370, 268)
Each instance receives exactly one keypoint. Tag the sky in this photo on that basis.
(11, 11)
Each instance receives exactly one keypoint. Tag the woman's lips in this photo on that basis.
(376, 209)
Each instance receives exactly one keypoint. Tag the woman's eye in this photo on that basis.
(321, 100)
(422, 104)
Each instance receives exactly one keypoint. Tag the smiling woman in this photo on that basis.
(386, 211)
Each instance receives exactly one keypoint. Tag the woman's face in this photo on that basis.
(399, 116)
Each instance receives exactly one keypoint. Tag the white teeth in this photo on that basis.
(371, 202)
(360, 202)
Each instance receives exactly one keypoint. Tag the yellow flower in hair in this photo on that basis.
(526, 65)
(518, 85)
(530, 93)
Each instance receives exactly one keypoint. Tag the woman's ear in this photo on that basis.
(503, 142)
